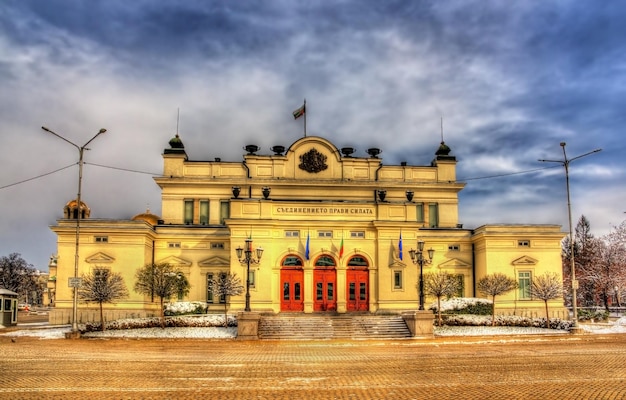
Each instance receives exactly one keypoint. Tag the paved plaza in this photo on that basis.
(535, 367)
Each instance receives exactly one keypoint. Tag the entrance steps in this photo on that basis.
(332, 326)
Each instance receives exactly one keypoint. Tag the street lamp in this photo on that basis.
(81, 150)
(245, 257)
(418, 259)
(565, 163)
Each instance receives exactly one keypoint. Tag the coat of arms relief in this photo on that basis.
(313, 161)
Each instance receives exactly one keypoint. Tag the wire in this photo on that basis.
(509, 174)
(36, 177)
(124, 169)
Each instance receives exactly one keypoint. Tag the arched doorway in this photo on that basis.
(357, 281)
(291, 284)
(325, 284)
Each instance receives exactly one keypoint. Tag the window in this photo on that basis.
(325, 261)
(397, 280)
(523, 243)
(357, 234)
(461, 291)
(433, 215)
(204, 212)
(209, 294)
(420, 212)
(454, 247)
(101, 239)
(292, 233)
(325, 234)
(224, 211)
(174, 245)
(357, 261)
(188, 212)
(292, 261)
(524, 280)
(252, 278)
(217, 245)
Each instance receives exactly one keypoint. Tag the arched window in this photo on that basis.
(325, 261)
(357, 261)
(292, 261)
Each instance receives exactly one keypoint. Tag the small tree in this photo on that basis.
(226, 284)
(18, 276)
(547, 287)
(161, 280)
(440, 284)
(102, 286)
(494, 285)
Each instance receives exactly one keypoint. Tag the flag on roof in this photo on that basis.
(299, 112)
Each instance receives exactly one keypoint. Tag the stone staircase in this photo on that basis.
(332, 326)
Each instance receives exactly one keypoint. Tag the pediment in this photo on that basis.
(215, 261)
(454, 263)
(397, 264)
(100, 258)
(524, 261)
(175, 261)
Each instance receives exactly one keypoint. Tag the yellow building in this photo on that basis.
(336, 231)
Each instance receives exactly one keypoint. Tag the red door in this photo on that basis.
(357, 290)
(325, 287)
(292, 297)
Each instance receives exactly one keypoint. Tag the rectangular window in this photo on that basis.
(461, 291)
(523, 243)
(524, 280)
(352, 291)
(420, 212)
(325, 234)
(174, 245)
(217, 245)
(188, 212)
(204, 212)
(433, 215)
(224, 211)
(292, 233)
(397, 280)
(209, 285)
(454, 247)
(357, 234)
(252, 277)
(101, 239)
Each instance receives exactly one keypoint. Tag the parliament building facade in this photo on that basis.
(336, 231)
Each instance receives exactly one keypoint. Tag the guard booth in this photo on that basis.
(8, 308)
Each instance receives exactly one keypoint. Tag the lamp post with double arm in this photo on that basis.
(245, 257)
(418, 259)
(81, 150)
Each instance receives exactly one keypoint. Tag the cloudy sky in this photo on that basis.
(511, 80)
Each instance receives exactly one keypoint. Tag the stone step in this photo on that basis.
(357, 326)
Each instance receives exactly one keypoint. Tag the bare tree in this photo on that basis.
(226, 284)
(440, 284)
(102, 286)
(547, 287)
(161, 280)
(494, 285)
(18, 276)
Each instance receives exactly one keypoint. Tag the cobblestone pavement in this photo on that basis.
(537, 367)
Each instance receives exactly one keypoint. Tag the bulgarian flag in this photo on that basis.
(299, 112)
(341, 249)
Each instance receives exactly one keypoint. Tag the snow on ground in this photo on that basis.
(45, 331)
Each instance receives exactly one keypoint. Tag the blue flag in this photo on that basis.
(400, 245)
(306, 251)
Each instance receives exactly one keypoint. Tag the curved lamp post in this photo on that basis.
(245, 257)
(565, 163)
(418, 259)
(75, 283)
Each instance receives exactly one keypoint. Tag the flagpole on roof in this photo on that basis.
(304, 108)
